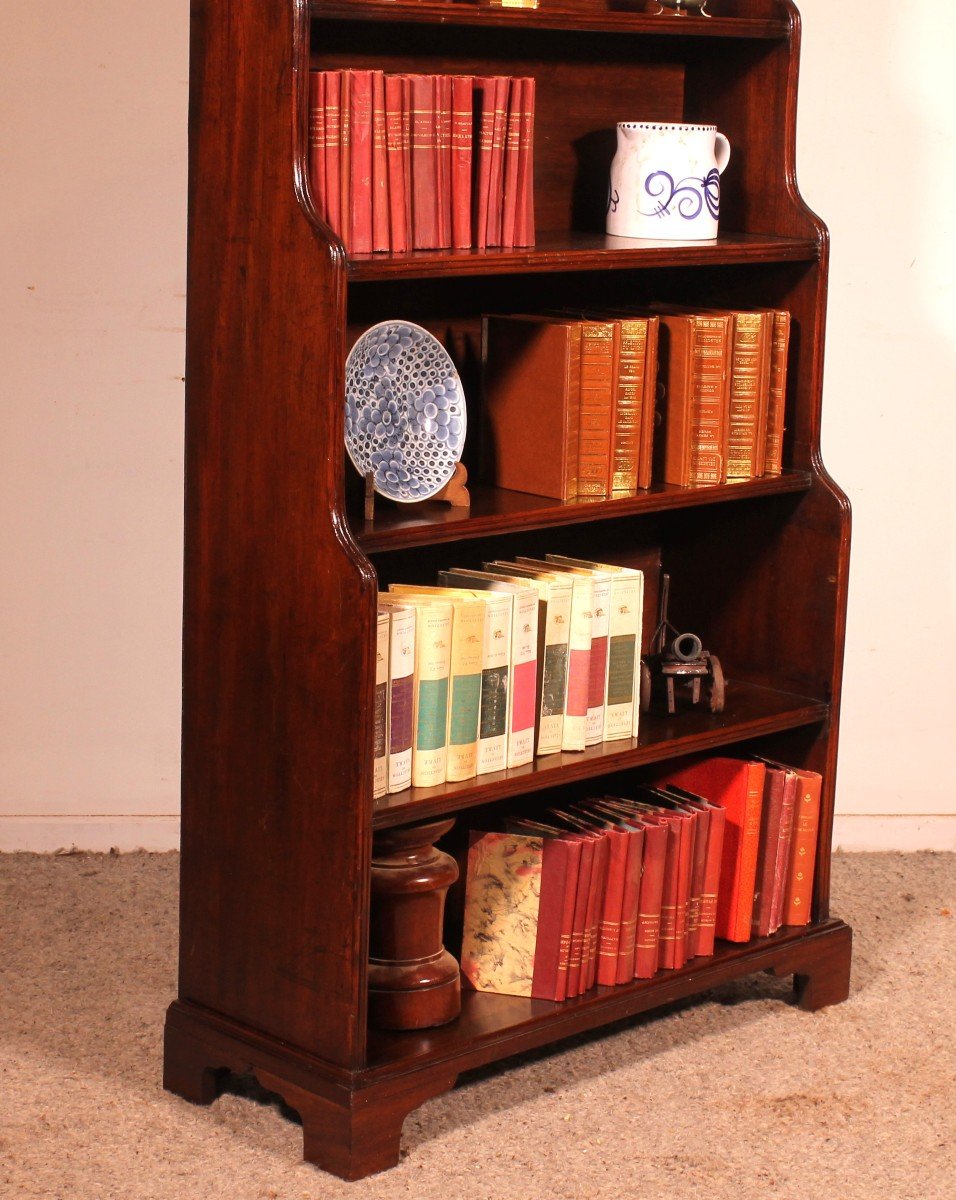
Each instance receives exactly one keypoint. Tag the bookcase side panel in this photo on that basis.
(279, 604)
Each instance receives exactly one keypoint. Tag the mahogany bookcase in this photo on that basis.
(281, 569)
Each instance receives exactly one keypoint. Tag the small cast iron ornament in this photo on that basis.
(678, 660)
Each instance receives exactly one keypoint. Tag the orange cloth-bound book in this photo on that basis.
(738, 787)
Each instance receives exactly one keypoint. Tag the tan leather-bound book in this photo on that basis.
(636, 380)
(599, 354)
(532, 370)
(777, 401)
(749, 391)
(695, 359)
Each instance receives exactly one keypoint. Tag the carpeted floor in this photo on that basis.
(735, 1095)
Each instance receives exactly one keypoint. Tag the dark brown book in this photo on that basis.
(777, 400)
(599, 352)
(532, 370)
(695, 368)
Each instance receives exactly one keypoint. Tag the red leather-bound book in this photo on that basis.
(778, 782)
(360, 190)
(670, 898)
(647, 950)
(803, 849)
(317, 140)
(425, 229)
(345, 158)
(484, 126)
(781, 869)
(610, 932)
(599, 875)
(397, 231)
(407, 158)
(509, 198)
(698, 870)
(462, 113)
(524, 221)
(549, 979)
(381, 239)
(708, 901)
(630, 902)
(737, 786)
(443, 102)
(333, 136)
(579, 924)
(499, 133)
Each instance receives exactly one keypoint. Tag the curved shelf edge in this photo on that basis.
(497, 510)
(751, 711)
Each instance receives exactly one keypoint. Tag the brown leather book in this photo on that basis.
(803, 849)
(777, 401)
(695, 363)
(749, 392)
(599, 355)
(532, 369)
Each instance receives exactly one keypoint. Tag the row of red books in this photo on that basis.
(423, 162)
(616, 888)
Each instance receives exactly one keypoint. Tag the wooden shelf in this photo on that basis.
(619, 21)
(584, 252)
(750, 711)
(492, 1027)
(497, 510)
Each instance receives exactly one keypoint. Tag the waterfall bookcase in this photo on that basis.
(281, 568)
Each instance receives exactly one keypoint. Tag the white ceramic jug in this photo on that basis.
(665, 181)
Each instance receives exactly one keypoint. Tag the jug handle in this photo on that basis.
(721, 152)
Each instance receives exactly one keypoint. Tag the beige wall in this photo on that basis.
(91, 354)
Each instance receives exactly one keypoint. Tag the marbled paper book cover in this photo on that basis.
(502, 898)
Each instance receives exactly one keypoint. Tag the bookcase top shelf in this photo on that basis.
(750, 711)
(497, 510)
(613, 20)
(584, 252)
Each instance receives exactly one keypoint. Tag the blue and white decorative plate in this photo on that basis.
(405, 414)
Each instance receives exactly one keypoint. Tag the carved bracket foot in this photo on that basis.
(820, 968)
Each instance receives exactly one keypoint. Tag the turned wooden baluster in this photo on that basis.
(413, 980)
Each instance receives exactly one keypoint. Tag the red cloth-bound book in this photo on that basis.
(599, 874)
(502, 85)
(630, 903)
(345, 158)
(317, 141)
(407, 157)
(798, 901)
(360, 188)
(380, 213)
(524, 221)
(443, 105)
(579, 922)
(397, 230)
(425, 223)
(484, 126)
(461, 160)
(657, 839)
(737, 786)
(509, 199)
(609, 938)
(778, 796)
(333, 137)
(549, 980)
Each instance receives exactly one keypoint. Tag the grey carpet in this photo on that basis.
(738, 1094)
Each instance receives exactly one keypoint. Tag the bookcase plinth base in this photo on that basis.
(349, 1130)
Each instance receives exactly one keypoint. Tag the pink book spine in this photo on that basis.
(380, 211)
(461, 153)
(360, 189)
(524, 223)
(509, 211)
(333, 134)
(317, 140)
(398, 237)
